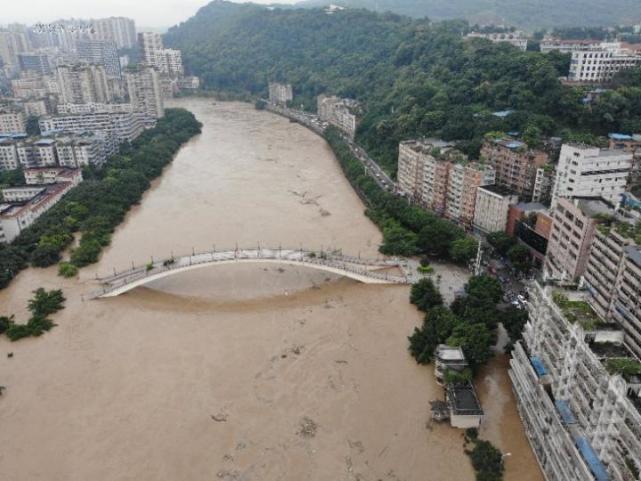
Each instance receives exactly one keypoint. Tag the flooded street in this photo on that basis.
(236, 372)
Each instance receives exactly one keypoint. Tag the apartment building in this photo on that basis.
(119, 127)
(82, 84)
(581, 412)
(463, 180)
(16, 216)
(585, 171)
(34, 62)
(492, 206)
(613, 279)
(280, 94)
(82, 150)
(440, 178)
(8, 155)
(100, 52)
(166, 60)
(52, 175)
(573, 230)
(36, 108)
(12, 122)
(516, 39)
(518, 168)
(600, 64)
(145, 93)
(342, 113)
(632, 145)
(33, 86)
(120, 30)
(11, 44)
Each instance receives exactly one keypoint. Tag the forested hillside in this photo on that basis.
(414, 77)
(532, 14)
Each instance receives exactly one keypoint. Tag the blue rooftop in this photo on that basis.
(538, 366)
(514, 144)
(592, 460)
(566, 413)
(615, 136)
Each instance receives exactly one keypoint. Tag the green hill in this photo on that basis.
(414, 77)
(530, 14)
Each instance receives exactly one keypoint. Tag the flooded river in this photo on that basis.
(236, 372)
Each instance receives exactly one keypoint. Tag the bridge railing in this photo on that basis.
(329, 259)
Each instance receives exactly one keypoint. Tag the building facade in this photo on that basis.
(582, 418)
(517, 167)
(613, 280)
(599, 65)
(280, 94)
(342, 113)
(120, 30)
(100, 52)
(12, 122)
(516, 39)
(492, 206)
(145, 93)
(585, 171)
(573, 230)
(34, 62)
(83, 84)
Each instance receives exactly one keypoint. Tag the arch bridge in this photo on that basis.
(369, 271)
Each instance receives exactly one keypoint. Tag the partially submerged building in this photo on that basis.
(576, 392)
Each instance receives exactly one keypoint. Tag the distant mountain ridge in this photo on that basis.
(529, 14)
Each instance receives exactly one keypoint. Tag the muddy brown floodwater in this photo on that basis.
(236, 372)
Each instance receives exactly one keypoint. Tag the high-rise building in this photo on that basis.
(12, 43)
(120, 30)
(517, 166)
(166, 60)
(613, 278)
(34, 62)
(83, 84)
(573, 230)
(585, 171)
(100, 52)
(145, 93)
(580, 406)
(150, 44)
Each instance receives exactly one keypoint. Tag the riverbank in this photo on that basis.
(96, 206)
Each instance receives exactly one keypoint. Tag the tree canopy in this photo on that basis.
(415, 77)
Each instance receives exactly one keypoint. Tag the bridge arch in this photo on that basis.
(362, 270)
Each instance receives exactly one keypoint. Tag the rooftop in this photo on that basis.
(497, 189)
(577, 311)
(462, 399)
(448, 353)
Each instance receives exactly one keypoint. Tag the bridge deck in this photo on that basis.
(361, 269)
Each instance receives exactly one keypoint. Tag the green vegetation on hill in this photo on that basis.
(524, 13)
(94, 208)
(415, 78)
